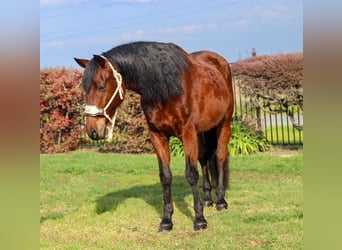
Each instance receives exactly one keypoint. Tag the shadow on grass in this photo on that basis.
(152, 194)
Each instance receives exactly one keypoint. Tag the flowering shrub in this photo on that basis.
(61, 101)
(62, 118)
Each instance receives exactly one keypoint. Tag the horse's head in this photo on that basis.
(104, 93)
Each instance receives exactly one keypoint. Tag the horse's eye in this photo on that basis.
(102, 86)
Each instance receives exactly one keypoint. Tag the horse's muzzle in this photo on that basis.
(96, 127)
(94, 135)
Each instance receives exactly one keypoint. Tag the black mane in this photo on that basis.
(155, 68)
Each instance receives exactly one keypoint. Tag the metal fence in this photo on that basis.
(278, 128)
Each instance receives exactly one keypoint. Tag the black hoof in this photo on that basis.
(165, 226)
(200, 224)
(208, 203)
(222, 204)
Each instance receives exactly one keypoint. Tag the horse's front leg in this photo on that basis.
(161, 146)
(190, 143)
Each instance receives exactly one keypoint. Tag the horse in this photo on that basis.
(184, 95)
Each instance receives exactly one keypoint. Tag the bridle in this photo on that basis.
(93, 110)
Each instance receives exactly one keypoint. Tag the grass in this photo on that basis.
(90, 200)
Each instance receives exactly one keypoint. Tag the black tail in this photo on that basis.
(210, 141)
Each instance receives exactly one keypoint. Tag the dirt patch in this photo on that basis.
(286, 151)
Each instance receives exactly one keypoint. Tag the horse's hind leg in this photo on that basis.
(161, 146)
(206, 151)
(223, 135)
(190, 142)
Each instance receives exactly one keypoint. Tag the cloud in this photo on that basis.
(273, 12)
(238, 24)
(137, 35)
(50, 2)
(56, 44)
(187, 29)
(136, 1)
(124, 37)
(60, 2)
(72, 2)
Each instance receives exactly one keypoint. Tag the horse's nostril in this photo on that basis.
(94, 134)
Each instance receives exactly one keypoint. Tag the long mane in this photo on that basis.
(155, 69)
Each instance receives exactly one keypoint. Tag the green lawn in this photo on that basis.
(90, 200)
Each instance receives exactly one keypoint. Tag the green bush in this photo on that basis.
(244, 141)
(176, 147)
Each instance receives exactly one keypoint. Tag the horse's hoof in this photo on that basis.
(222, 204)
(208, 203)
(165, 226)
(200, 224)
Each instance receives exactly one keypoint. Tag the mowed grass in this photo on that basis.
(90, 200)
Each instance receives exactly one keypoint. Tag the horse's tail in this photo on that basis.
(210, 142)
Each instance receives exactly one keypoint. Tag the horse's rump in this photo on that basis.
(212, 59)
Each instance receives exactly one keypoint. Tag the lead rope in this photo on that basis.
(111, 129)
(119, 89)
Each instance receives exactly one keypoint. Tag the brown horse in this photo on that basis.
(188, 96)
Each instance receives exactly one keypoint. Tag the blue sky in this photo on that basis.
(232, 28)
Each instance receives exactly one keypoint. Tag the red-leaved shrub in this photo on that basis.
(61, 101)
(272, 83)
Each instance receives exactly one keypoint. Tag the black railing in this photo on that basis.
(277, 127)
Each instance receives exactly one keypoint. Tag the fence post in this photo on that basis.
(258, 114)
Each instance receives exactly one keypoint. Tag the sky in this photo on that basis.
(232, 28)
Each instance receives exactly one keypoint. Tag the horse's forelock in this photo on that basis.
(88, 75)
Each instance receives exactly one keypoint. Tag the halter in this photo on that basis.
(93, 110)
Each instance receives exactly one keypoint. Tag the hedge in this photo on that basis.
(62, 119)
(272, 83)
(61, 100)
(276, 79)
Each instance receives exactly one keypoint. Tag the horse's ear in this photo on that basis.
(100, 61)
(82, 62)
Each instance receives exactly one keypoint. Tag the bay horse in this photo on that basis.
(188, 96)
